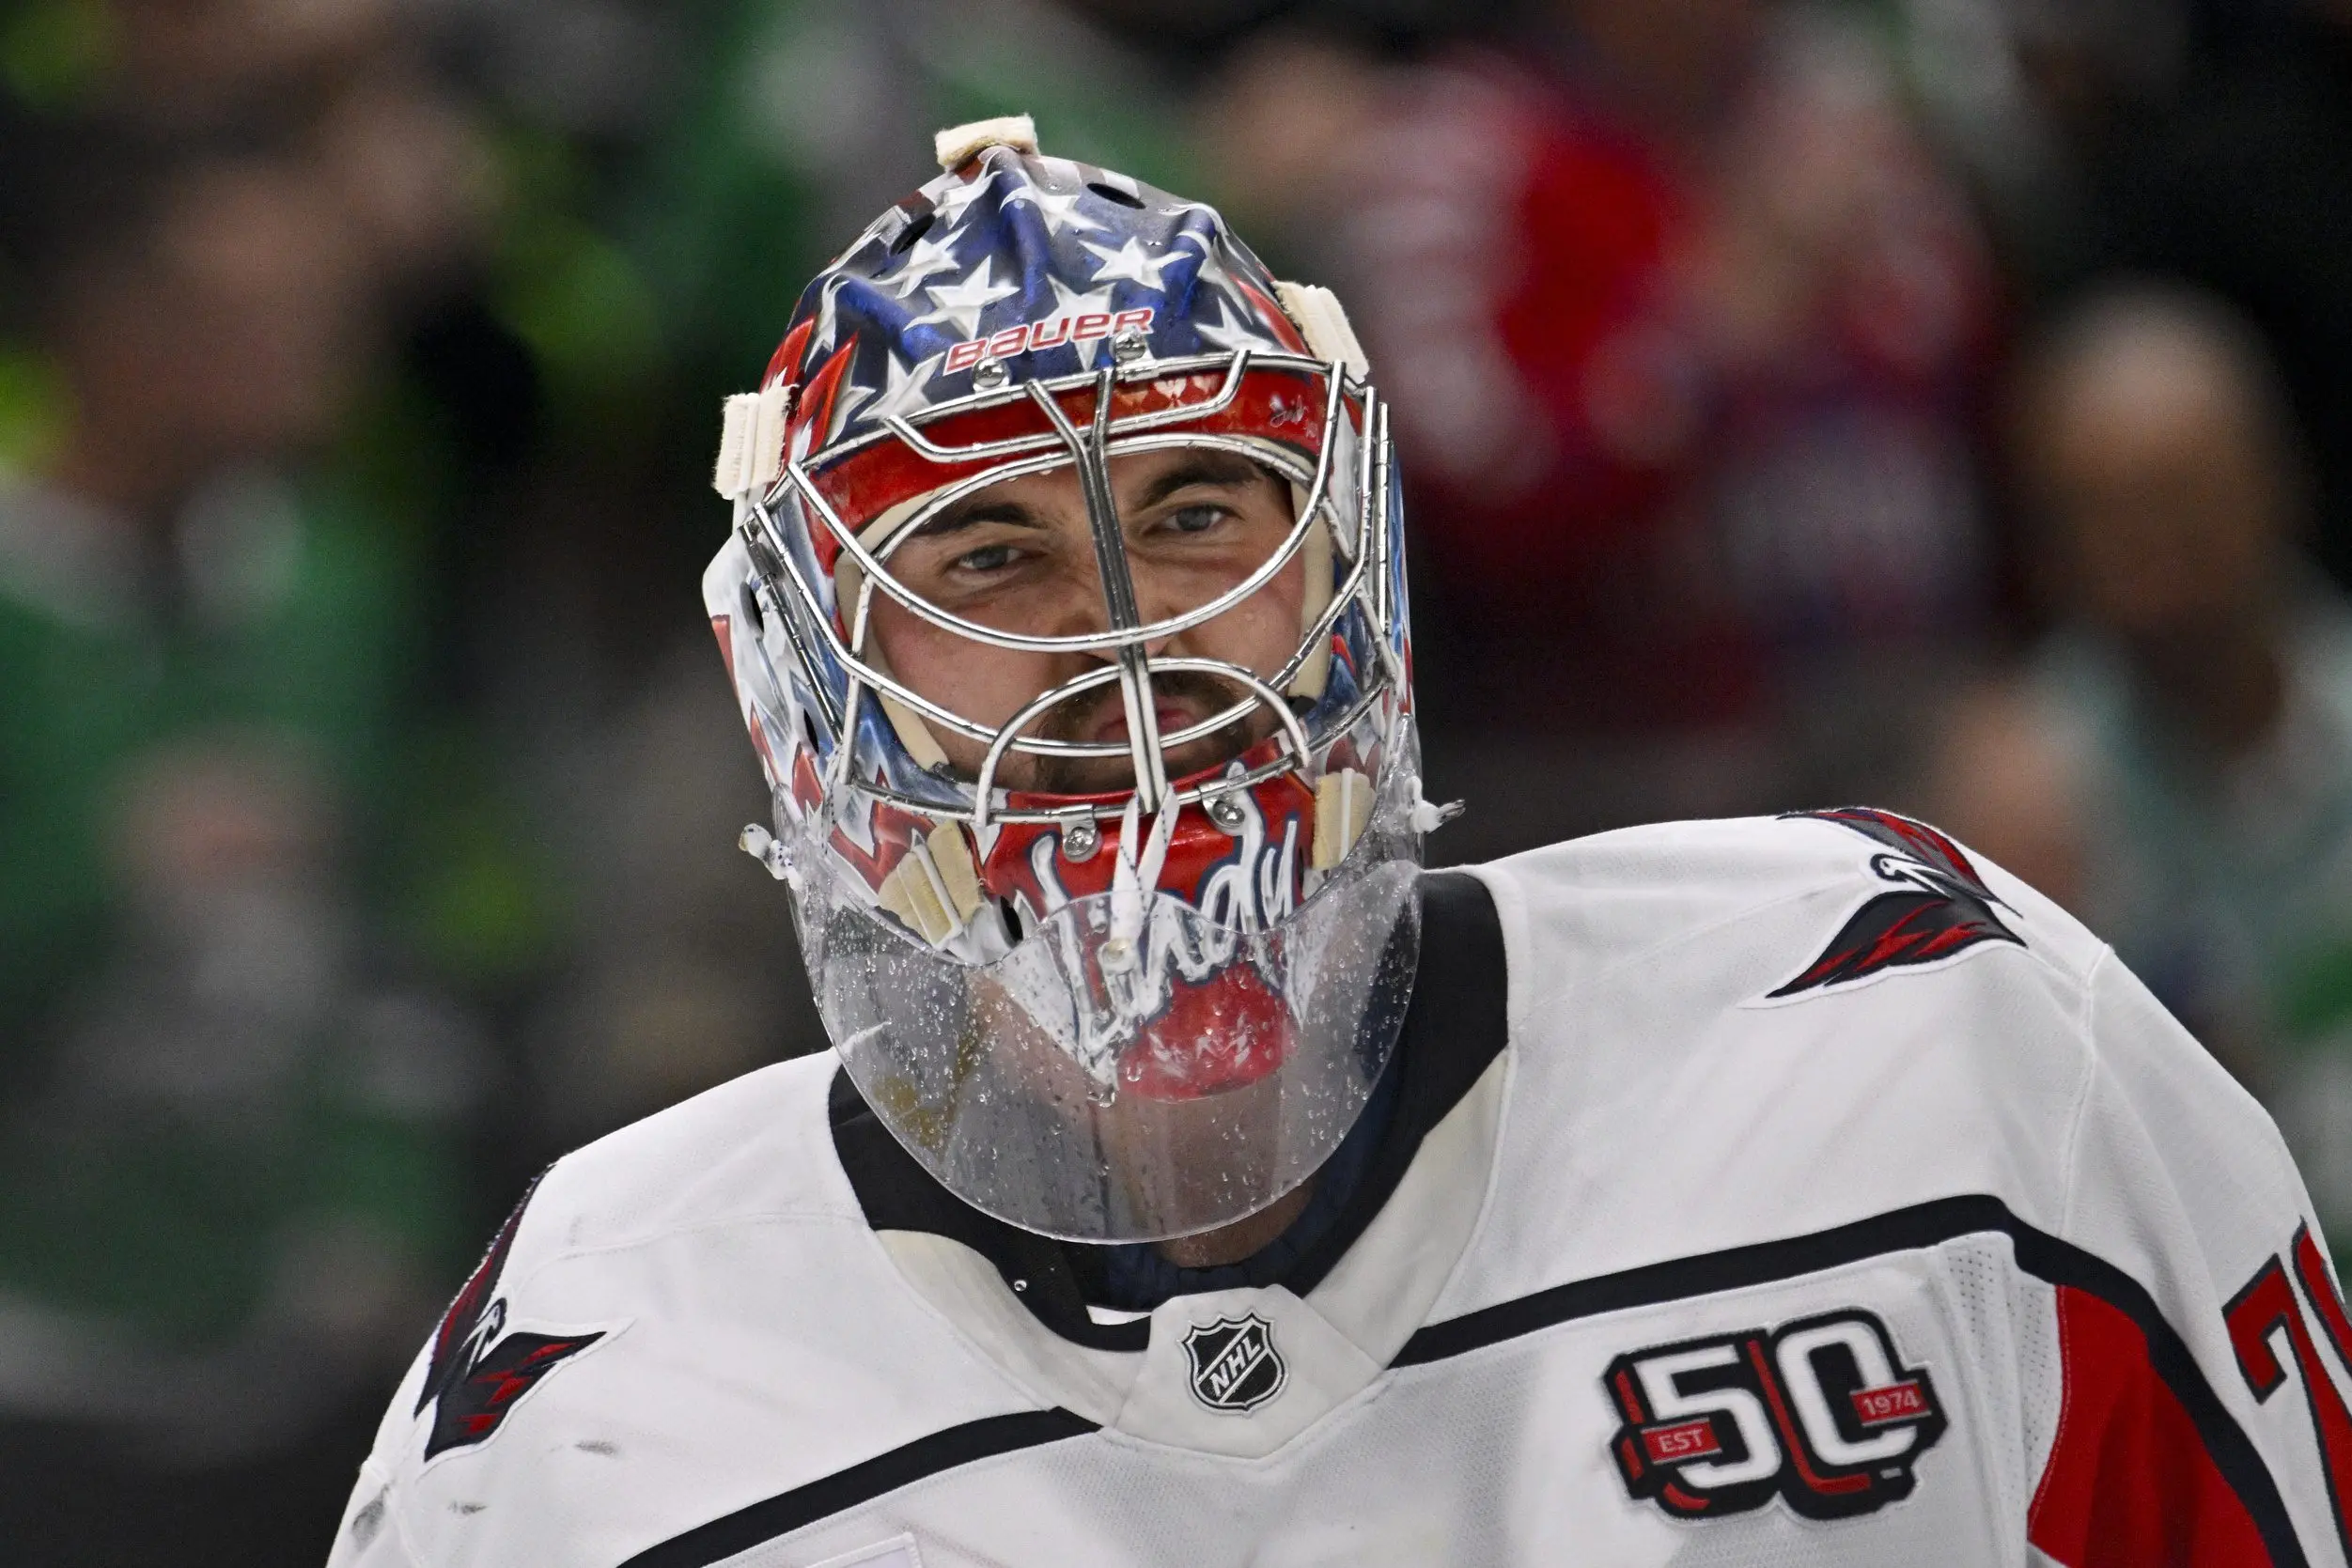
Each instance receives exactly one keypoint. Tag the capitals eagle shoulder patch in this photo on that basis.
(1937, 905)
(474, 1375)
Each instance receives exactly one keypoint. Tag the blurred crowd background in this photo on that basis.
(1941, 403)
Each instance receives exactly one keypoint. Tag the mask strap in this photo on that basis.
(1133, 879)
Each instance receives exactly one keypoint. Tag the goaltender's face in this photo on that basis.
(1019, 556)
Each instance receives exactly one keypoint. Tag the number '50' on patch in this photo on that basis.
(1820, 1413)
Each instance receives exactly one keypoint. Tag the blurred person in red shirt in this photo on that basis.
(1690, 412)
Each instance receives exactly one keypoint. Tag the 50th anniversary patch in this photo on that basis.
(1820, 1413)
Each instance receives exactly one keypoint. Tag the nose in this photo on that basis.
(1083, 608)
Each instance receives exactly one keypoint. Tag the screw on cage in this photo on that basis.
(1226, 812)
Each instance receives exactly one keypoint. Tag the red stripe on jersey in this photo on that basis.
(2130, 1482)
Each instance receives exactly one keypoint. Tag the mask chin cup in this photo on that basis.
(1111, 1080)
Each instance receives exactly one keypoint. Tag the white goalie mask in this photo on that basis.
(1105, 1008)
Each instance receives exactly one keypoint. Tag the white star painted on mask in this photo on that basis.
(1069, 303)
(926, 259)
(1058, 207)
(1228, 333)
(904, 394)
(960, 193)
(845, 404)
(1206, 239)
(828, 318)
(962, 303)
(1212, 273)
(1128, 261)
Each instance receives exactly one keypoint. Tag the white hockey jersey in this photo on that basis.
(1790, 1191)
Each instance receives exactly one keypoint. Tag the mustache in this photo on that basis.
(1079, 717)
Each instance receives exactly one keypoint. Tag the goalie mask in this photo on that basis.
(1066, 606)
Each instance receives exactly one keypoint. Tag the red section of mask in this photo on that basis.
(1196, 848)
(1224, 1033)
(1284, 406)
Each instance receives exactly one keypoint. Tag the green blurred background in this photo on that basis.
(1940, 403)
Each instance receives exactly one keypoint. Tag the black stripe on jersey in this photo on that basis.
(746, 1527)
(1455, 1025)
(896, 1194)
(1925, 1225)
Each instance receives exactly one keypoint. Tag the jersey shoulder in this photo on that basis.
(1836, 897)
(1728, 1032)
(599, 1231)
(756, 1147)
(679, 1319)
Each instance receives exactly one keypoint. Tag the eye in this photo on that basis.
(987, 558)
(1196, 520)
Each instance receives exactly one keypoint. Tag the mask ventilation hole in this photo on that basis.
(917, 226)
(1111, 192)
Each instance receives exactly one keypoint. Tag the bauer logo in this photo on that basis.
(1083, 327)
(1820, 1413)
(1235, 1364)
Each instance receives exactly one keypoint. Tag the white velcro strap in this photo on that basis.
(737, 415)
(1343, 808)
(958, 871)
(751, 442)
(1323, 323)
(936, 888)
(959, 142)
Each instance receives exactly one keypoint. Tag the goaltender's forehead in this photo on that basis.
(1017, 267)
(1141, 480)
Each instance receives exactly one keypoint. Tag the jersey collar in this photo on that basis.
(1454, 1028)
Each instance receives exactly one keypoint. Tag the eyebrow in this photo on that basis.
(969, 513)
(1223, 468)
(1220, 469)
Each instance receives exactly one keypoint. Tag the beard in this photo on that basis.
(1200, 694)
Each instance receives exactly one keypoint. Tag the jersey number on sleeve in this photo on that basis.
(2256, 1314)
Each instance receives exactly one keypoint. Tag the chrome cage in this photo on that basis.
(1364, 540)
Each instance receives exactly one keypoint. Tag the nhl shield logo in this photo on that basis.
(1235, 1364)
